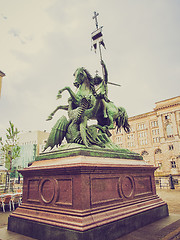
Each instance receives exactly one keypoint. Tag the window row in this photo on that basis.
(156, 140)
(141, 126)
(142, 134)
(157, 151)
(130, 144)
(118, 139)
(130, 136)
(143, 142)
(154, 123)
(155, 131)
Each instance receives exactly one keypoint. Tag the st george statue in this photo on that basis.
(89, 102)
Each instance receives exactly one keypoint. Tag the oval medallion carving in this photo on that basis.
(47, 190)
(127, 186)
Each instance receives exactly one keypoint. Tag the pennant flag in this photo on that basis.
(102, 43)
(97, 37)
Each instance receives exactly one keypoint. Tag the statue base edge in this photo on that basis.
(110, 231)
(86, 198)
(73, 149)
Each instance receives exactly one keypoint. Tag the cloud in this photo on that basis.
(142, 41)
(3, 16)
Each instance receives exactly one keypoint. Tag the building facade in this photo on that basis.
(30, 144)
(156, 136)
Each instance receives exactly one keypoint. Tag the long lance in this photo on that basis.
(100, 52)
(98, 35)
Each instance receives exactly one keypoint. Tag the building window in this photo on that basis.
(155, 131)
(158, 151)
(144, 153)
(121, 145)
(156, 140)
(160, 166)
(118, 139)
(130, 144)
(130, 136)
(173, 164)
(141, 126)
(167, 117)
(143, 142)
(142, 134)
(171, 147)
(154, 123)
(169, 130)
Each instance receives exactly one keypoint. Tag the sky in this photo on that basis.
(43, 42)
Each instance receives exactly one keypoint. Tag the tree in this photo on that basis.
(9, 147)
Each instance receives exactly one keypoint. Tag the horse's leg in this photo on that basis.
(59, 107)
(72, 94)
(111, 120)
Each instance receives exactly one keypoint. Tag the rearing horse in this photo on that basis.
(106, 113)
(85, 89)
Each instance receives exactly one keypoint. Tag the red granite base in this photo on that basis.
(84, 193)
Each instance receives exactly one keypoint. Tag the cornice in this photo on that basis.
(143, 115)
(2, 74)
(157, 108)
(166, 106)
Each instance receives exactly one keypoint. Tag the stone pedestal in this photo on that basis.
(89, 195)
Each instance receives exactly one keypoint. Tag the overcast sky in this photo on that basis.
(43, 42)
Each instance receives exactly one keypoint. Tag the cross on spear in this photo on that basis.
(96, 36)
(95, 17)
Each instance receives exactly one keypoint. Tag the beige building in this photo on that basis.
(30, 144)
(156, 136)
(33, 137)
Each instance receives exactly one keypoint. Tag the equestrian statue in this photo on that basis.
(90, 102)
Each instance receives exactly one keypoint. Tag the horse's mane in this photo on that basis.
(91, 81)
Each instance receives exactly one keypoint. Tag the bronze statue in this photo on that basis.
(90, 102)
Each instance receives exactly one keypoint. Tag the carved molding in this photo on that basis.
(104, 190)
(47, 190)
(126, 186)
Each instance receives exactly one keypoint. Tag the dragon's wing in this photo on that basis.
(57, 133)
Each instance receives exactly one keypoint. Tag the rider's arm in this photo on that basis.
(105, 73)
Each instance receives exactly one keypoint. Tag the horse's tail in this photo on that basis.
(57, 133)
(122, 120)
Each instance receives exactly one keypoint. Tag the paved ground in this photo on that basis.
(164, 229)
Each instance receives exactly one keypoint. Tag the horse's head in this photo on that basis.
(80, 76)
(83, 77)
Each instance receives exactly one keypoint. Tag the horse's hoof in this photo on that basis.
(59, 96)
(49, 118)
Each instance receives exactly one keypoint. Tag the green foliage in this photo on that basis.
(10, 147)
